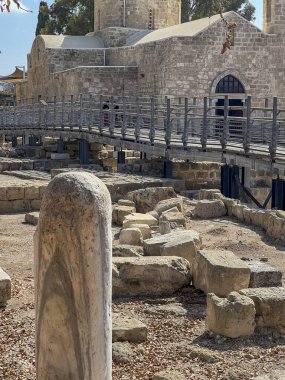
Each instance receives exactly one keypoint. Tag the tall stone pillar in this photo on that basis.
(73, 280)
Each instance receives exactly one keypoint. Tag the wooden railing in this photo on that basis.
(255, 126)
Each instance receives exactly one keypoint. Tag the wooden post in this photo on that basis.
(33, 112)
(125, 120)
(274, 134)
(73, 259)
(54, 112)
(40, 112)
(112, 117)
(90, 116)
(225, 134)
(62, 111)
(168, 124)
(204, 136)
(46, 113)
(138, 120)
(247, 132)
(71, 111)
(186, 124)
(178, 117)
(152, 121)
(101, 114)
(81, 112)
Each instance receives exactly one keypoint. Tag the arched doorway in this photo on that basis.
(229, 85)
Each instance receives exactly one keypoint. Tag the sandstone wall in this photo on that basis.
(181, 66)
(274, 16)
(21, 198)
(192, 66)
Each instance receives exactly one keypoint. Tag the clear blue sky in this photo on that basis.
(18, 32)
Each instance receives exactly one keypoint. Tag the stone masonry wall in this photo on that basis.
(198, 175)
(19, 198)
(110, 13)
(86, 80)
(192, 67)
(116, 36)
(181, 66)
(63, 59)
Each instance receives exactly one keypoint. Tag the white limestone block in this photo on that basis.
(73, 280)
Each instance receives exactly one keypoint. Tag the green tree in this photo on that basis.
(195, 9)
(43, 17)
(74, 17)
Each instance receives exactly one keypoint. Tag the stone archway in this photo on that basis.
(236, 74)
(229, 83)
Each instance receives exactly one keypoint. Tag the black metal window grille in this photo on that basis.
(229, 85)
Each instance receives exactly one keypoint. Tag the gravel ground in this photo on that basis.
(174, 342)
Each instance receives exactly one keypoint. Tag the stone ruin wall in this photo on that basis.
(110, 13)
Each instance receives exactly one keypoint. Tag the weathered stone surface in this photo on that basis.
(144, 228)
(32, 218)
(128, 329)
(230, 203)
(32, 192)
(263, 275)
(232, 317)
(120, 212)
(275, 227)
(132, 236)
(269, 305)
(203, 354)
(210, 209)
(138, 218)
(168, 204)
(149, 275)
(163, 310)
(177, 243)
(209, 194)
(154, 214)
(274, 375)
(5, 288)
(14, 193)
(219, 272)
(126, 202)
(183, 245)
(164, 227)
(73, 280)
(3, 196)
(168, 375)
(122, 352)
(6, 206)
(146, 199)
(174, 218)
(172, 209)
(123, 250)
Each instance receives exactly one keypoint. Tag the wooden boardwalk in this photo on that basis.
(175, 128)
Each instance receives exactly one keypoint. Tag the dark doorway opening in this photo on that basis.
(227, 86)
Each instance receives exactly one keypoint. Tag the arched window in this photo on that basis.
(229, 85)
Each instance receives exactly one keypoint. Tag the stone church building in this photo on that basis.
(140, 48)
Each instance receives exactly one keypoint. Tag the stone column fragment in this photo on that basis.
(73, 280)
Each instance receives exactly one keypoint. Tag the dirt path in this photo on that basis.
(177, 342)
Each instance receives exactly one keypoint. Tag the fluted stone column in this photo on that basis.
(73, 280)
